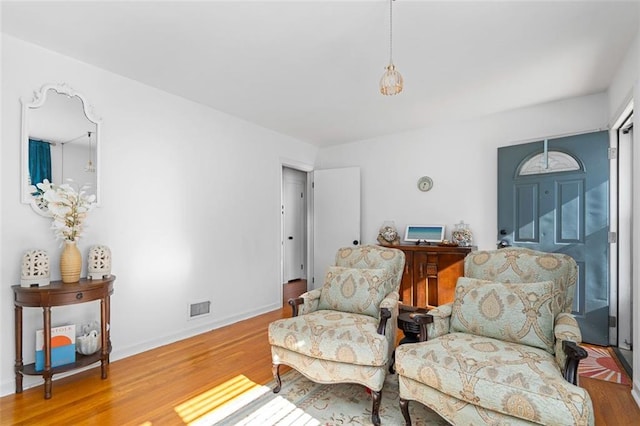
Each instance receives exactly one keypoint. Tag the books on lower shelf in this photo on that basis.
(63, 346)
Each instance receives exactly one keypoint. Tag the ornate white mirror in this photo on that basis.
(60, 141)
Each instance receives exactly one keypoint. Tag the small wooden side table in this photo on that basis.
(409, 327)
(59, 294)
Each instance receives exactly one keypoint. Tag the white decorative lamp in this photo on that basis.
(36, 269)
(391, 82)
(99, 262)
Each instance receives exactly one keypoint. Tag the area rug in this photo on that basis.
(303, 402)
(601, 365)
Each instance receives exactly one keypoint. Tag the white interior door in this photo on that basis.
(294, 214)
(336, 216)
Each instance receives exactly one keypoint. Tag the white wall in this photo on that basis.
(621, 89)
(190, 208)
(461, 160)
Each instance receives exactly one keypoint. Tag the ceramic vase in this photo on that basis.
(70, 263)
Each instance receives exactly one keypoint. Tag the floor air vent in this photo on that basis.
(199, 309)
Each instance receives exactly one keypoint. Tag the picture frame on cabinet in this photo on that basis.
(426, 233)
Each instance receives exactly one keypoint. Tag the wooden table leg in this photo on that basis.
(47, 374)
(107, 302)
(104, 334)
(18, 335)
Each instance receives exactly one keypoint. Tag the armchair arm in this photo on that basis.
(306, 303)
(566, 328)
(574, 355)
(294, 303)
(442, 311)
(568, 352)
(385, 314)
(391, 301)
(435, 323)
(311, 300)
(388, 309)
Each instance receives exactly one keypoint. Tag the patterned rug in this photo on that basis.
(303, 402)
(601, 365)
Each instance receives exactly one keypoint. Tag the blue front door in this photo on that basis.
(554, 196)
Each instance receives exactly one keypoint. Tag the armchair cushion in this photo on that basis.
(358, 291)
(332, 336)
(523, 265)
(518, 313)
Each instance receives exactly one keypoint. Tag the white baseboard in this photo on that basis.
(635, 391)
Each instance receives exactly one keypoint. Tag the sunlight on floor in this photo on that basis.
(216, 404)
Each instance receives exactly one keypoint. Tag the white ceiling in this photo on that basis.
(310, 69)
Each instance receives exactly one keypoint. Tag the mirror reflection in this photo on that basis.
(61, 141)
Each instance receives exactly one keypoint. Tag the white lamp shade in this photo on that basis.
(391, 82)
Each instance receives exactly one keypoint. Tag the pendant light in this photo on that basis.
(90, 168)
(391, 82)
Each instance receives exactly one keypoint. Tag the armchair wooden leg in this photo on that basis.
(275, 368)
(404, 407)
(375, 416)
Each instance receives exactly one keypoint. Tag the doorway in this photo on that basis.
(294, 231)
(553, 196)
(625, 291)
(294, 217)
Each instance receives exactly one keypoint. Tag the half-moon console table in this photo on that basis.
(59, 294)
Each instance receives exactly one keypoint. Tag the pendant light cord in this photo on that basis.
(391, 31)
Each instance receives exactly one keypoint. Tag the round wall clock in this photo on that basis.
(425, 183)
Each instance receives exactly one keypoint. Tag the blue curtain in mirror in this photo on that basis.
(39, 161)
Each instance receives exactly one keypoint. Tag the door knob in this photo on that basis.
(291, 238)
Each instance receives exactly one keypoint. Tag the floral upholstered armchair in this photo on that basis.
(505, 351)
(344, 332)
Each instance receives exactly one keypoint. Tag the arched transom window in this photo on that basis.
(549, 162)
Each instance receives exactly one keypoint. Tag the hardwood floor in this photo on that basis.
(171, 385)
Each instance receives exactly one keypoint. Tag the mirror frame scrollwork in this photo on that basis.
(36, 101)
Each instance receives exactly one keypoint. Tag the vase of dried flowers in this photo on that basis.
(68, 207)
(70, 263)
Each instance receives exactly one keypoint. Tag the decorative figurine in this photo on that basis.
(99, 262)
(36, 271)
(88, 338)
(388, 234)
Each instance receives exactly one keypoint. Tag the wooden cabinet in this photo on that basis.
(431, 273)
(59, 294)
